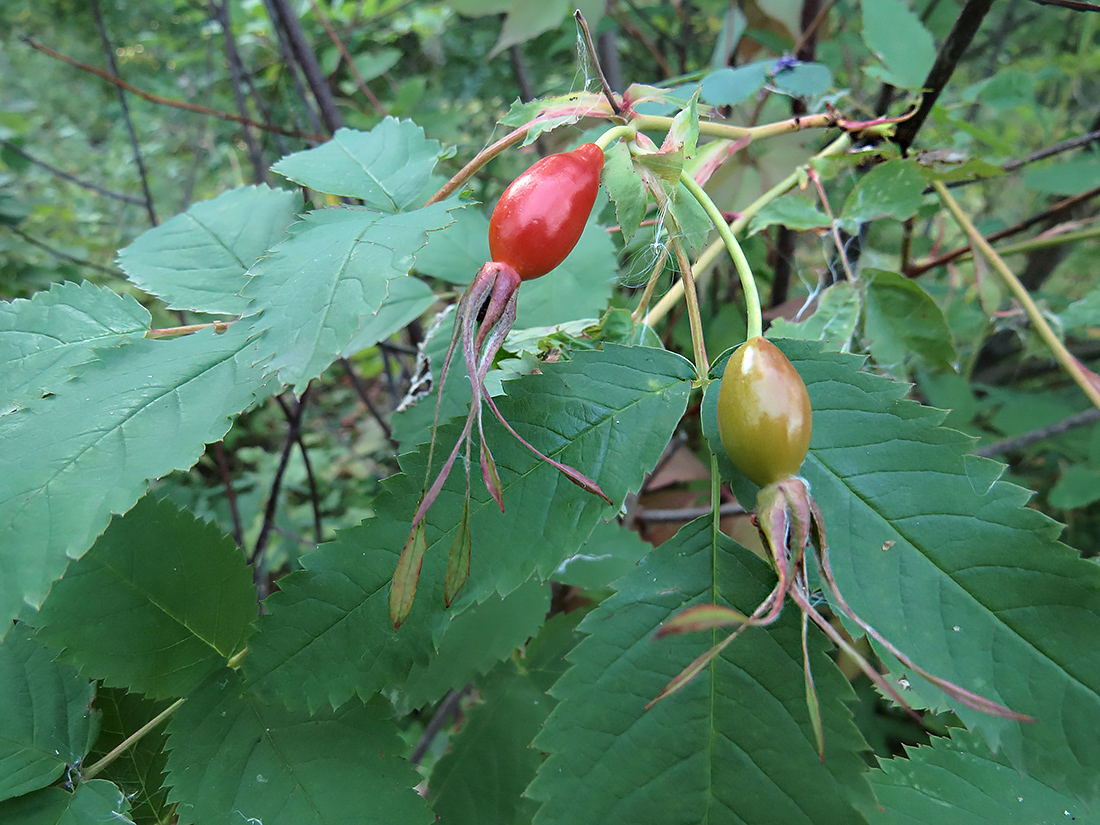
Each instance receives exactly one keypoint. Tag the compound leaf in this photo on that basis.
(123, 617)
(197, 260)
(46, 721)
(734, 745)
(609, 413)
(237, 758)
(106, 436)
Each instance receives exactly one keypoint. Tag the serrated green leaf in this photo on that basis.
(894, 189)
(625, 188)
(735, 745)
(316, 286)
(901, 320)
(139, 770)
(236, 758)
(122, 616)
(482, 777)
(46, 720)
(833, 322)
(973, 584)
(198, 259)
(794, 211)
(107, 435)
(42, 337)
(388, 167)
(610, 552)
(456, 252)
(476, 639)
(609, 413)
(896, 35)
(408, 298)
(957, 781)
(93, 803)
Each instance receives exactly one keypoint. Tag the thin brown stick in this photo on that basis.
(53, 170)
(335, 38)
(65, 256)
(1076, 5)
(593, 56)
(167, 101)
(920, 267)
(482, 157)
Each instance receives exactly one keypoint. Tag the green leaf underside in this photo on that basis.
(902, 320)
(334, 268)
(982, 593)
(609, 413)
(42, 337)
(198, 259)
(796, 212)
(139, 771)
(45, 718)
(107, 429)
(735, 745)
(236, 758)
(97, 801)
(121, 613)
(388, 167)
(894, 189)
(957, 781)
(896, 35)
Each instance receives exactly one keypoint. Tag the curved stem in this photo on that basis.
(744, 271)
(1083, 378)
(677, 291)
(613, 134)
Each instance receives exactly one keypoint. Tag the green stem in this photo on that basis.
(709, 255)
(613, 134)
(95, 769)
(744, 271)
(1049, 241)
(1071, 365)
(725, 130)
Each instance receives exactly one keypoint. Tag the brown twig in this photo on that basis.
(966, 26)
(1010, 445)
(286, 18)
(53, 170)
(65, 256)
(295, 416)
(364, 396)
(135, 145)
(1076, 5)
(920, 267)
(219, 10)
(167, 101)
(593, 56)
(222, 461)
(335, 38)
